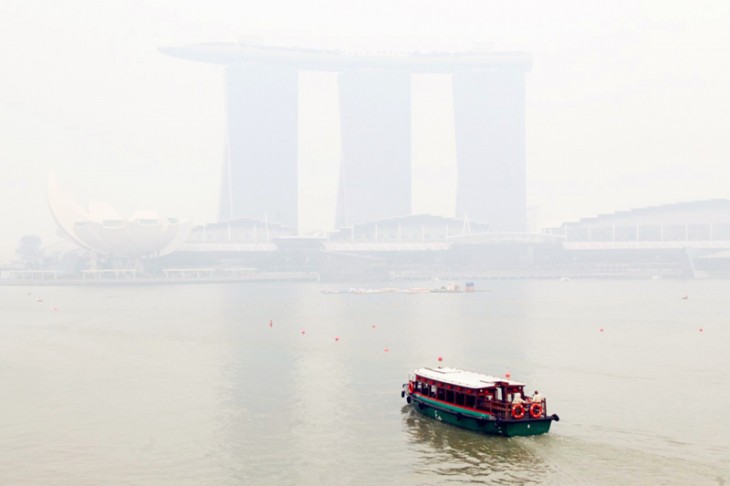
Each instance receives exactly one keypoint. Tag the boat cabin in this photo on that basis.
(489, 394)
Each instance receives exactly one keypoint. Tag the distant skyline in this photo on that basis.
(627, 102)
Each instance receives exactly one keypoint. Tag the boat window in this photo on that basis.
(469, 400)
(449, 396)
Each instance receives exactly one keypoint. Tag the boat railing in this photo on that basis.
(503, 410)
(499, 408)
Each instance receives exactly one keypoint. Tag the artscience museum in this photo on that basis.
(100, 228)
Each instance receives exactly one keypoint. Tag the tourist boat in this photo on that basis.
(455, 288)
(476, 402)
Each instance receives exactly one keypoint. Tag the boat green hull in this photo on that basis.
(480, 422)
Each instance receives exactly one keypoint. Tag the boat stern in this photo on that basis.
(526, 427)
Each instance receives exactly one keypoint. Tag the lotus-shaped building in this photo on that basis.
(99, 227)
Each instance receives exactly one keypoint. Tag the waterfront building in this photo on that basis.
(693, 224)
(98, 227)
(681, 239)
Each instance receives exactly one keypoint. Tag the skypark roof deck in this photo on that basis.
(329, 60)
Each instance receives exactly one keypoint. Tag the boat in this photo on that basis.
(452, 288)
(477, 402)
(449, 287)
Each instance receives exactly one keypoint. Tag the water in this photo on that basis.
(189, 384)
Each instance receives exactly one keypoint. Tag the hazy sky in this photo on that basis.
(627, 101)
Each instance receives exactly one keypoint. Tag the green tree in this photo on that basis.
(29, 250)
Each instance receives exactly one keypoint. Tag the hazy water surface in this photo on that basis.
(189, 384)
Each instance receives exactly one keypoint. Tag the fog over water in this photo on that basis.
(191, 385)
(626, 102)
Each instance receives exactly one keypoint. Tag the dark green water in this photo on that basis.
(189, 384)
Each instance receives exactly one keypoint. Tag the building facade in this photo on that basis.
(260, 171)
(375, 168)
(489, 114)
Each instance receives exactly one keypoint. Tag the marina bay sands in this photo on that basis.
(260, 176)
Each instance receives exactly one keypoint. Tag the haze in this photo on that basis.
(627, 102)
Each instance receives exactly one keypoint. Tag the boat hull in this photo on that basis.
(480, 422)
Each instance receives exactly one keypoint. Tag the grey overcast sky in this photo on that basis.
(627, 101)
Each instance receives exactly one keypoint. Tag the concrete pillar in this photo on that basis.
(375, 120)
(260, 173)
(489, 117)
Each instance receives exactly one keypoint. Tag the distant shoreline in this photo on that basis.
(328, 279)
(61, 281)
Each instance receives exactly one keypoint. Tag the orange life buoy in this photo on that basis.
(410, 387)
(535, 410)
(518, 411)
